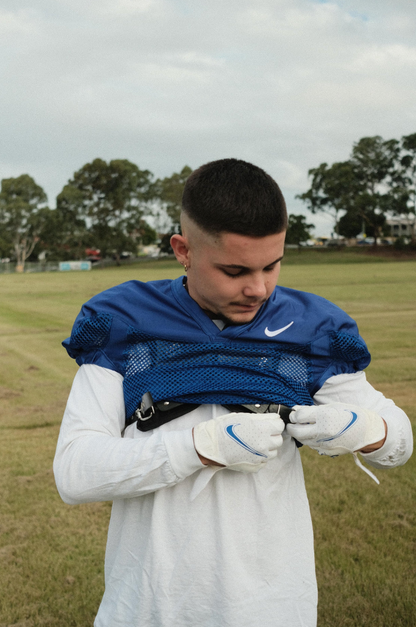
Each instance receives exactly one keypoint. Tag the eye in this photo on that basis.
(233, 273)
(270, 268)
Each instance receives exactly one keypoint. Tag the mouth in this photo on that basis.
(247, 306)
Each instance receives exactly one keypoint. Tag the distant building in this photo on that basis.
(402, 227)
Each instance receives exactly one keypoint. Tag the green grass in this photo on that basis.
(52, 554)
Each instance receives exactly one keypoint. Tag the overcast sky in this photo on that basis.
(285, 84)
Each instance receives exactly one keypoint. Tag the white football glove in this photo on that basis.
(240, 441)
(335, 429)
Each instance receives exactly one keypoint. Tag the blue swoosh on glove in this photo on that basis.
(230, 432)
(337, 435)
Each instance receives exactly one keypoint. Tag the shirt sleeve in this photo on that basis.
(93, 462)
(355, 389)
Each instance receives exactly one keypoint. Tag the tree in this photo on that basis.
(65, 234)
(169, 192)
(21, 218)
(298, 231)
(164, 246)
(376, 165)
(332, 189)
(351, 224)
(147, 234)
(113, 198)
(408, 163)
(366, 188)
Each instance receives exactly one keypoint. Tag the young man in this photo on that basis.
(210, 523)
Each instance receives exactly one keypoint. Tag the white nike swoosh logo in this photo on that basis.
(274, 333)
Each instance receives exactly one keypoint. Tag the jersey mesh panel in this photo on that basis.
(222, 373)
(348, 347)
(92, 332)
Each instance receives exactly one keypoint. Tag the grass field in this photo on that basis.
(51, 554)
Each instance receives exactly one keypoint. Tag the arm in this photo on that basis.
(94, 463)
(354, 388)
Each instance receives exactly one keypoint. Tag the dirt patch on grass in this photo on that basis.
(6, 393)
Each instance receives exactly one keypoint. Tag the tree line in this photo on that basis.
(104, 206)
(377, 182)
(116, 206)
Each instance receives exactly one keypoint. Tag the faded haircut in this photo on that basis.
(234, 196)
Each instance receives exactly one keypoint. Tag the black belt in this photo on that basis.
(150, 415)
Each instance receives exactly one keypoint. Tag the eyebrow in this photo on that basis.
(235, 266)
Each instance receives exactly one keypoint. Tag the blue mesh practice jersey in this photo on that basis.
(159, 339)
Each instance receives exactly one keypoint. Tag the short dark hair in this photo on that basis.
(234, 196)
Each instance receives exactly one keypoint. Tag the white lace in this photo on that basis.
(361, 465)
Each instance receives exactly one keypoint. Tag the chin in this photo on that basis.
(241, 318)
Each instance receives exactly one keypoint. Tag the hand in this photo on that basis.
(336, 429)
(240, 441)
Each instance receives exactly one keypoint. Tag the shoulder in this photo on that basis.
(100, 330)
(306, 300)
(296, 318)
(311, 313)
(124, 300)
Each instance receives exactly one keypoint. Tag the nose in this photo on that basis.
(256, 287)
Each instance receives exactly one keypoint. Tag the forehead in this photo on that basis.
(243, 250)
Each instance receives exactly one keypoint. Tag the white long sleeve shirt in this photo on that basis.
(193, 545)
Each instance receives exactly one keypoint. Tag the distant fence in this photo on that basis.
(54, 266)
(30, 266)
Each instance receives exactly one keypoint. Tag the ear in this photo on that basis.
(180, 247)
